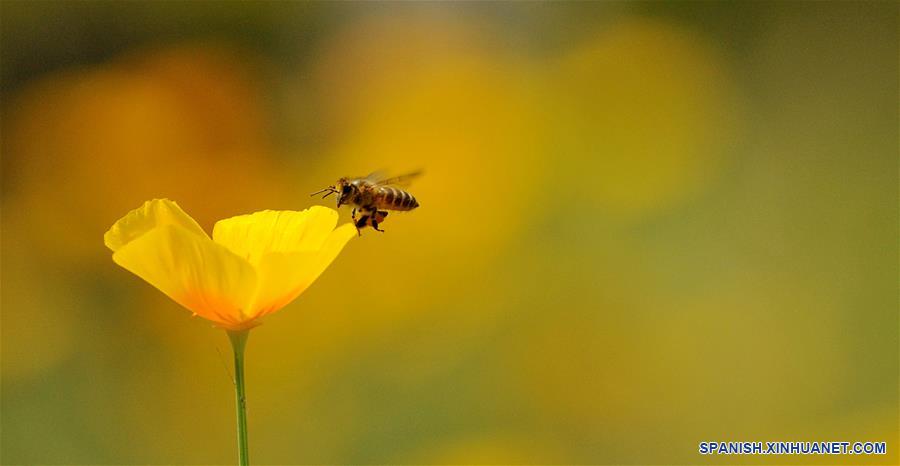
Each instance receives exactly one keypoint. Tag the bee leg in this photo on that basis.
(353, 213)
(361, 223)
(375, 225)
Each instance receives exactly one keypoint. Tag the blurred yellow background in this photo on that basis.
(642, 226)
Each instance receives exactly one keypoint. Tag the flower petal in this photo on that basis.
(285, 275)
(152, 214)
(197, 273)
(252, 236)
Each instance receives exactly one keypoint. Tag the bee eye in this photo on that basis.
(345, 189)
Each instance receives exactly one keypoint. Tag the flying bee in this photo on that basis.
(372, 196)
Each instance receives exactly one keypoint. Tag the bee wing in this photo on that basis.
(375, 176)
(378, 178)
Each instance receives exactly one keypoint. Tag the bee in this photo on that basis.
(372, 196)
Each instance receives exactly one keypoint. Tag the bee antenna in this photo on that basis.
(330, 190)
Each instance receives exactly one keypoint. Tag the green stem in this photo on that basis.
(238, 341)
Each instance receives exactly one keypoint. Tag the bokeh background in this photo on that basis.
(643, 225)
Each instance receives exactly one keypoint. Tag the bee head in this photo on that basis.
(345, 191)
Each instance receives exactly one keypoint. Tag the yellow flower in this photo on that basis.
(253, 265)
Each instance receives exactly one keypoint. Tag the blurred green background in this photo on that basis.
(643, 225)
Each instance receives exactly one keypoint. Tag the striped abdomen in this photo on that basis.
(391, 198)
